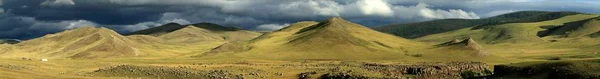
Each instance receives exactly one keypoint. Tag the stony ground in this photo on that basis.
(237, 69)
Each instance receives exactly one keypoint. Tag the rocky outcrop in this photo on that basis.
(163, 72)
(468, 44)
(433, 70)
(343, 76)
(555, 70)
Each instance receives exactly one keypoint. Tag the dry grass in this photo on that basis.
(333, 39)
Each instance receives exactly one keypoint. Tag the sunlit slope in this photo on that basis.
(459, 50)
(5, 48)
(85, 42)
(191, 34)
(515, 33)
(102, 43)
(334, 38)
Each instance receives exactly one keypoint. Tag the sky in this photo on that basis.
(26, 19)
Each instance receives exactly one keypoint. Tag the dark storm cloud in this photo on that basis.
(32, 18)
(92, 10)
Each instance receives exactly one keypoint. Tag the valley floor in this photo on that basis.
(237, 68)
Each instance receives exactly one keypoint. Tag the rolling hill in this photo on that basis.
(587, 27)
(334, 38)
(179, 32)
(191, 34)
(515, 33)
(85, 42)
(420, 29)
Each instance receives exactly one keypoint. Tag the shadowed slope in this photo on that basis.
(9, 41)
(160, 30)
(334, 38)
(420, 29)
(167, 28)
(188, 34)
(85, 42)
(574, 69)
(516, 33)
(573, 29)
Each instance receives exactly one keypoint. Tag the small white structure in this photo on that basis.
(44, 59)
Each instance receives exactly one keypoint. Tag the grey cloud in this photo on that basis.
(22, 27)
(270, 27)
(57, 3)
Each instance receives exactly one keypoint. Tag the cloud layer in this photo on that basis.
(23, 19)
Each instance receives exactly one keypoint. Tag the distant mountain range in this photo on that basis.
(9, 41)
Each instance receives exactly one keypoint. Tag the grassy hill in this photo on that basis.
(580, 28)
(420, 29)
(516, 33)
(85, 42)
(180, 33)
(521, 41)
(191, 34)
(334, 38)
(103, 43)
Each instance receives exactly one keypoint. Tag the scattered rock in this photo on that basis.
(306, 75)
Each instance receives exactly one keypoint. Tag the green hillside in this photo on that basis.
(420, 29)
(333, 39)
(587, 27)
(508, 33)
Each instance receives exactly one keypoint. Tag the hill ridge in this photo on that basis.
(334, 38)
(170, 27)
(204, 30)
(191, 34)
(421, 29)
(84, 42)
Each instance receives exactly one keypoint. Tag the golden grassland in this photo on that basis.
(283, 54)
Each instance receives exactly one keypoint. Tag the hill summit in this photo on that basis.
(334, 38)
(200, 32)
(468, 44)
(191, 34)
(84, 42)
